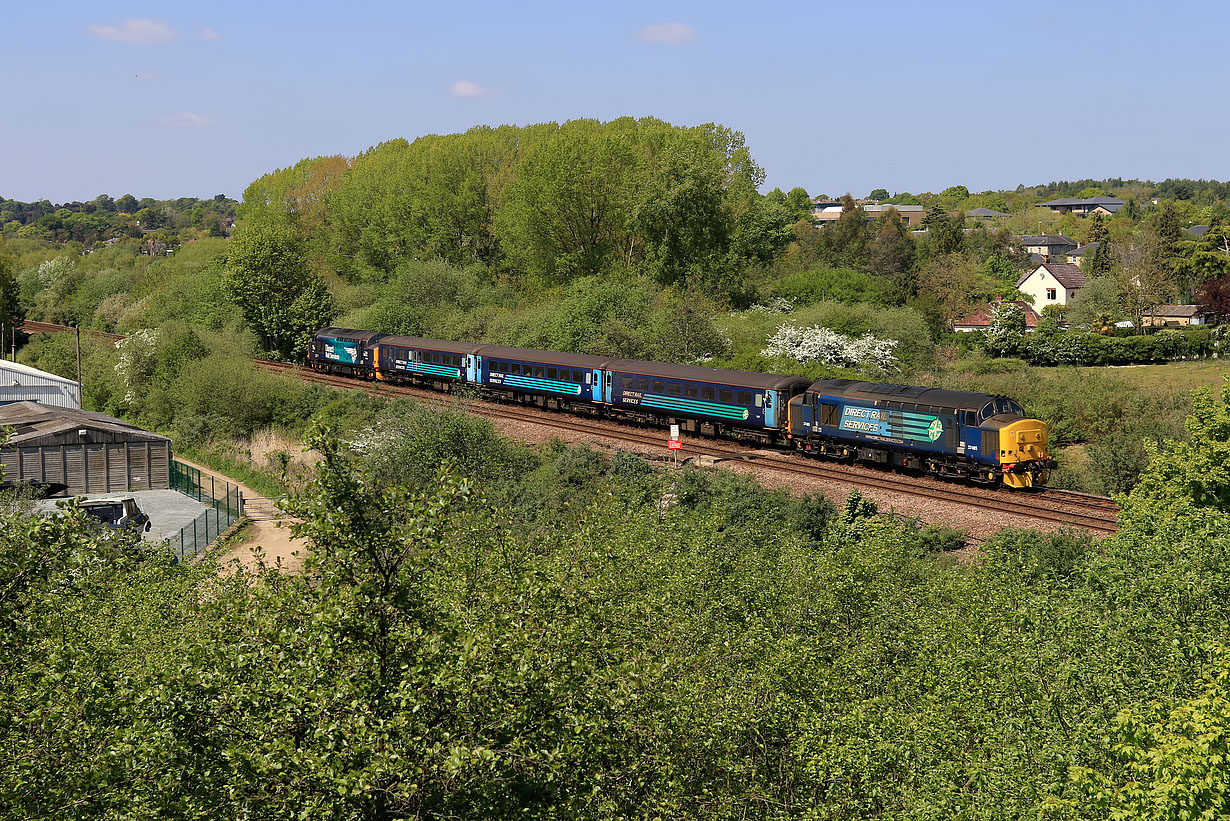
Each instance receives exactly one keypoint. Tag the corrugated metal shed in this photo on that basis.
(21, 383)
(85, 451)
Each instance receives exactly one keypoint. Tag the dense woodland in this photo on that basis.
(488, 628)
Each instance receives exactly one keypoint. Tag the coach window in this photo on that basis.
(672, 389)
(642, 385)
(503, 367)
(516, 368)
(552, 373)
(690, 391)
(658, 387)
(745, 398)
(539, 371)
(706, 394)
(626, 381)
(726, 395)
(580, 377)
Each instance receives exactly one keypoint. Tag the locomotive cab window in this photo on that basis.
(970, 418)
(706, 394)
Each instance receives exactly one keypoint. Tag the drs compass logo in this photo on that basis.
(935, 430)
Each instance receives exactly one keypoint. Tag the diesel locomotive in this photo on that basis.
(972, 436)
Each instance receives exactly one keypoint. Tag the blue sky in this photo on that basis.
(176, 99)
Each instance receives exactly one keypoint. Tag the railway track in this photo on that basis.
(1093, 513)
(1064, 507)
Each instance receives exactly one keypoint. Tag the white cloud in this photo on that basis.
(464, 88)
(669, 34)
(208, 34)
(187, 119)
(145, 32)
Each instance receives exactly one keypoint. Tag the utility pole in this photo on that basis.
(80, 392)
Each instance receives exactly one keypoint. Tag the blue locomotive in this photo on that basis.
(958, 434)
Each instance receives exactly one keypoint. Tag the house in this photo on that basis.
(1176, 316)
(980, 319)
(1085, 207)
(984, 214)
(910, 215)
(1048, 246)
(1051, 283)
(1077, 255)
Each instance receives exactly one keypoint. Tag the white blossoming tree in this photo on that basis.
(824, 345)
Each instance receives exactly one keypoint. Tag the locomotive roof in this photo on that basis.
(572, 360)
(349, 334)
(699, 373)
(871, 391)
(432, 344)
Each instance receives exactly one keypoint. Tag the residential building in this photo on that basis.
(1077, 255)
(980, 319)
(1176, 316)
(1085, 207)
(910, 215)
(1048, 246)
(1051, 283)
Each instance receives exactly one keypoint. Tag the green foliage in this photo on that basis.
(281, 299)
(835, 284)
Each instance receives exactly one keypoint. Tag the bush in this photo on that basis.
(835, 285)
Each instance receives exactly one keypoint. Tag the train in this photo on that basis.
(975, 437)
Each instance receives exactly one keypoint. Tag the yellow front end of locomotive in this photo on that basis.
(1024, 453)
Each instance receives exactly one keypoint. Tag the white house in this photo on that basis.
(1051, 283)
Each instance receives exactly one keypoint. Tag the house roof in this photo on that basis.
(1047, 239)
(1084, 249)
(981, 318)
(1178, 310)
(1197, 230)
(984, 212)
(33, 420)
(1107, 201)
(1067, 274)
(900, 209)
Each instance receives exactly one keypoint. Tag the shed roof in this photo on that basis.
(34, 421)
(1066, 274)
(11, 373)
(1178, 310)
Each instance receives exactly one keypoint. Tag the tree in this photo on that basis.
(126, 204)
(1006, 332)
(11, 312)
(878, 194)
(945, 234)
(892, 254)
(267, 276)
(1145, 280)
